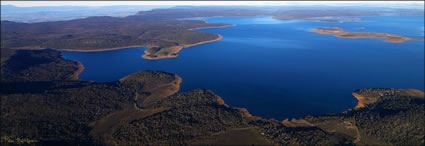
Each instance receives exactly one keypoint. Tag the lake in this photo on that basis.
(277, 69)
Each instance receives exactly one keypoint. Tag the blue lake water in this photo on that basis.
(277, 69)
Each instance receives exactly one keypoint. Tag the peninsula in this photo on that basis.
(154, 53)
(379, 112)
(339, 32)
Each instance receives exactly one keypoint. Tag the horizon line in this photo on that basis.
(207, 3)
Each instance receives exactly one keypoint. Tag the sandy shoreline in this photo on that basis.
(365, 100)
(78, 72)
(209, 41)
(100, 50)
(212, 26)
(391, 38)
(175, 49)
(361, 101)
(175, 87)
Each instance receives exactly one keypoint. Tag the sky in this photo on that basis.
(209, 3)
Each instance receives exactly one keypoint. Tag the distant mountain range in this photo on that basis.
(60, 13)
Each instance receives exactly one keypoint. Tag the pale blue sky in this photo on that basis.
(252, 3)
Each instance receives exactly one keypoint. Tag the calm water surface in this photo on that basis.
(277, 69)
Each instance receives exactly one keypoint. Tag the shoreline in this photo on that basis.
(78, 72)
(341, 33)
(228, 25)
(100, 50)
(173, 52)
(175, 49)
(175, 87)
(361, 101)
(203, 42)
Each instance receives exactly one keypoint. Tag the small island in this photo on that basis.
(339, 32)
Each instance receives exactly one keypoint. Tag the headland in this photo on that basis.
(171, 52)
